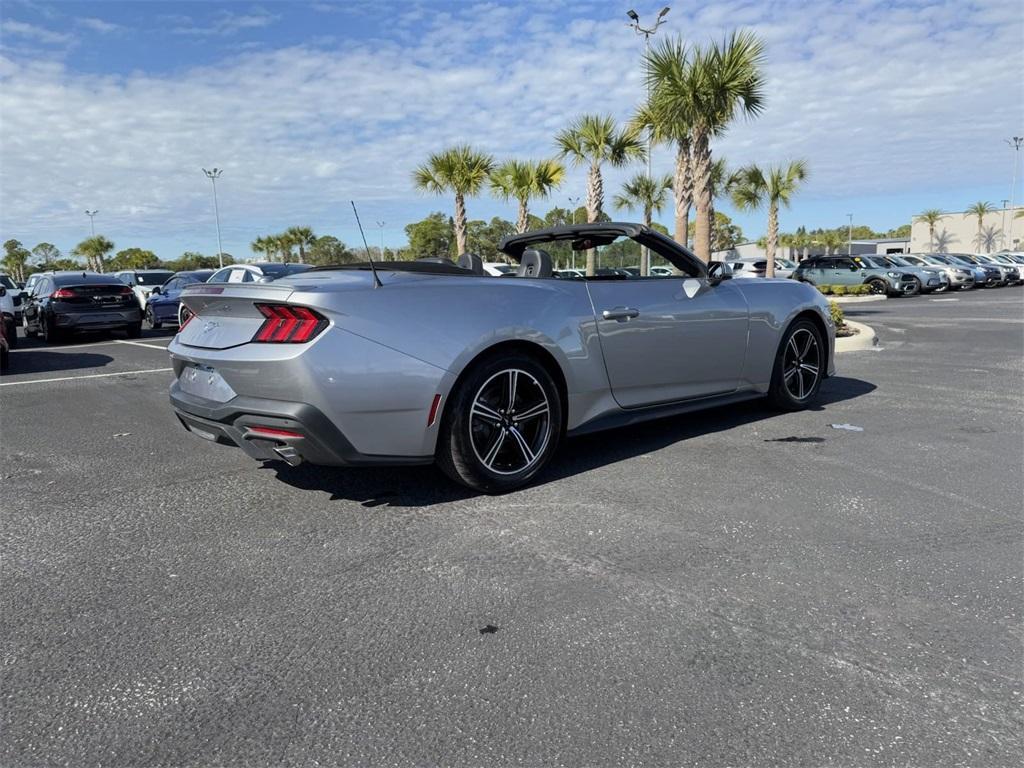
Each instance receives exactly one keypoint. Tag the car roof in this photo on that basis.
(72, 278)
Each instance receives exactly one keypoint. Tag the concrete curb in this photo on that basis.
(866, 339)
(855, 299)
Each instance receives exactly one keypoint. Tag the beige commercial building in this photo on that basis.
(958, 232)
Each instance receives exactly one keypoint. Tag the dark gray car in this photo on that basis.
(67, 302)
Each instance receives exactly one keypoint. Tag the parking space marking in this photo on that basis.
(140, 344)
(87, 376)
(83, 346)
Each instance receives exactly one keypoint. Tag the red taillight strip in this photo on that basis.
(288, 324)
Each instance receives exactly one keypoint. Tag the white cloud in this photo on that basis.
(97, 25)
(879, 101)
(226, 23)
(34, 33)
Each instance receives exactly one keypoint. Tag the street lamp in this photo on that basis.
(647, 32)
(849, 236)
(1016, 143)
(92, 221)
(213, 176)
(575, 203)
(381, 225)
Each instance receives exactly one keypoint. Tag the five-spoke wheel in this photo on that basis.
(799, 367)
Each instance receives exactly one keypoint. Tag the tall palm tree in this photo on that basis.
(648, 195)
(707, 88)
(264, 245)
(303, 237)
(979, 209)
(774, 186)
(94, 250)
(460, 170)
(523, 180)
(931, 217)
(594, 140)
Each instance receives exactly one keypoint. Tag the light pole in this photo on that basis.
(1002, 226)
(574, 202)
(381, 224)
(647, 32)
(1016, 143)
(213, 176)
(849, 236)
(92, 221)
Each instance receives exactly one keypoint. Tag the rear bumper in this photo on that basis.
(97, 321)
(314, 437)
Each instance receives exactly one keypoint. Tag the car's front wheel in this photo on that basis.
(799, 367)
(502, 424)
(11, 332)
(151, 320)
(184, 313)
(878, 287)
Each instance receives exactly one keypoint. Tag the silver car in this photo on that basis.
(751, 266)
(417, 362)
(959, 277)
(929, 279)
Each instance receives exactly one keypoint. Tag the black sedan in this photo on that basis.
(66, 302)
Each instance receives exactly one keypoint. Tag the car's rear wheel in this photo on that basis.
(799, 367)
(11, 332)
(878, 287)
(151, 320)
(502, 424)
(134, 330)
(184, 313)
(51, 335)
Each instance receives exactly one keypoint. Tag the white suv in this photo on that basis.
(143, 281)
(10, 309)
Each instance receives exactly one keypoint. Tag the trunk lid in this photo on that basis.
(92, 296)
(226, 314)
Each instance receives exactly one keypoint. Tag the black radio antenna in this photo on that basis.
(376, 280)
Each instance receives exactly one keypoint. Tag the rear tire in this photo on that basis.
(800, 365)
(502, 424)
(11, 332)
(4, 359)
(50, 334)
(134, 330)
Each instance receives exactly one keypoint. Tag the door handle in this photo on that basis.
(620, 313)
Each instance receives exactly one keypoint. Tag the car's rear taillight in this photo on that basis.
(288, 324)
(126, 290)
(63, 293)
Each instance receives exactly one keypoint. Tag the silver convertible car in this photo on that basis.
(431, 361)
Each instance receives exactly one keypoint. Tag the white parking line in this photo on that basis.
(87, 376)
(140, 344)
(85, 346)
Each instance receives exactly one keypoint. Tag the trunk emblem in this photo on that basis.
(210, 326)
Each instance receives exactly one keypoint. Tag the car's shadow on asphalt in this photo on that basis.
(43, 361)
(424, 486)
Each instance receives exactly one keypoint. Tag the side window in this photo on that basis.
(247, 277)
(237, 275)
(172, 285)
(221, 276)
(43, 288)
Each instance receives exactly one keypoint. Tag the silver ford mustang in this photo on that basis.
(432, 361)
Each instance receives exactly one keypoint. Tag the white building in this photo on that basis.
(958, 231)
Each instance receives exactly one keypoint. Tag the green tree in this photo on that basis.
(433, 236)
(648, 195)
(979, 210)
(460, 170)
(265, 246)
(706, 88)
(46, 253)
(95, 251)
(931, 217)
(772, 187)
(16, 258)
(594, 140)
(302, 237)
(330, 250)
(523, 180)
(482, 238)
(724, 234)
(134, 258)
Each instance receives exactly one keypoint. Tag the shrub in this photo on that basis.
(837, 314)
(838, 290)
(825, 289)
(858, 290)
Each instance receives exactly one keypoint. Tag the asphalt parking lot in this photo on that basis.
(737, 587)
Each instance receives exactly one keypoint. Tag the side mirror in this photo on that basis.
(156, 291)
(718, 271)
(854, 267)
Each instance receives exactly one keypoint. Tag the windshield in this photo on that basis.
(6, 282)
(899, 261)
(786, 263)
(864, 261)
(151, 279)
(916, 261)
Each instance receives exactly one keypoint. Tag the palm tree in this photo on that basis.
(931, 217)
(264, 245)
(648, 195)
(979, 209)
(706, 89)
(595, 140)
(777, 185)
(461, 170)
(522, 180)
(302, 237)
(94, 250)
(832, 239)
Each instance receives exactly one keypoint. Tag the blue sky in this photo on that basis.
(116, 106)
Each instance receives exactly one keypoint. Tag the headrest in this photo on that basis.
(534, 263)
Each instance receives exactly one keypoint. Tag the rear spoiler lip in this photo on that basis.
(235, 290)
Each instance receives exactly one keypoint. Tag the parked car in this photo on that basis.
(254, 273)
(143, 281)
(661, 272)
(855, 270)
(163, 305)
(1011, 270)
(929, 280)
(752, 266)
(4, 347)
(570, 274)
(34, 278)
(959, 277)
(498, 268)
(990, 275)
(333, 367)
(10, 309)
(67, 302)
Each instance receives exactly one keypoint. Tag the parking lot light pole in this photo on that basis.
(574, 202)
(213, 176)
(849, 236)
(92, 221)
(381, 224)
(647, 32)
(1016, 143)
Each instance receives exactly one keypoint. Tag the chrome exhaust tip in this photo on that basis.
(289, 455)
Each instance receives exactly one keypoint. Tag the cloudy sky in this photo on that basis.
(116, 106)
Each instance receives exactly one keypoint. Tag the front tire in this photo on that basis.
(918, 288)
(502, 424)
(11, 332)
(183, 315)
(878, 287)
(151, 320)
(50, 333)
(800, 365)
